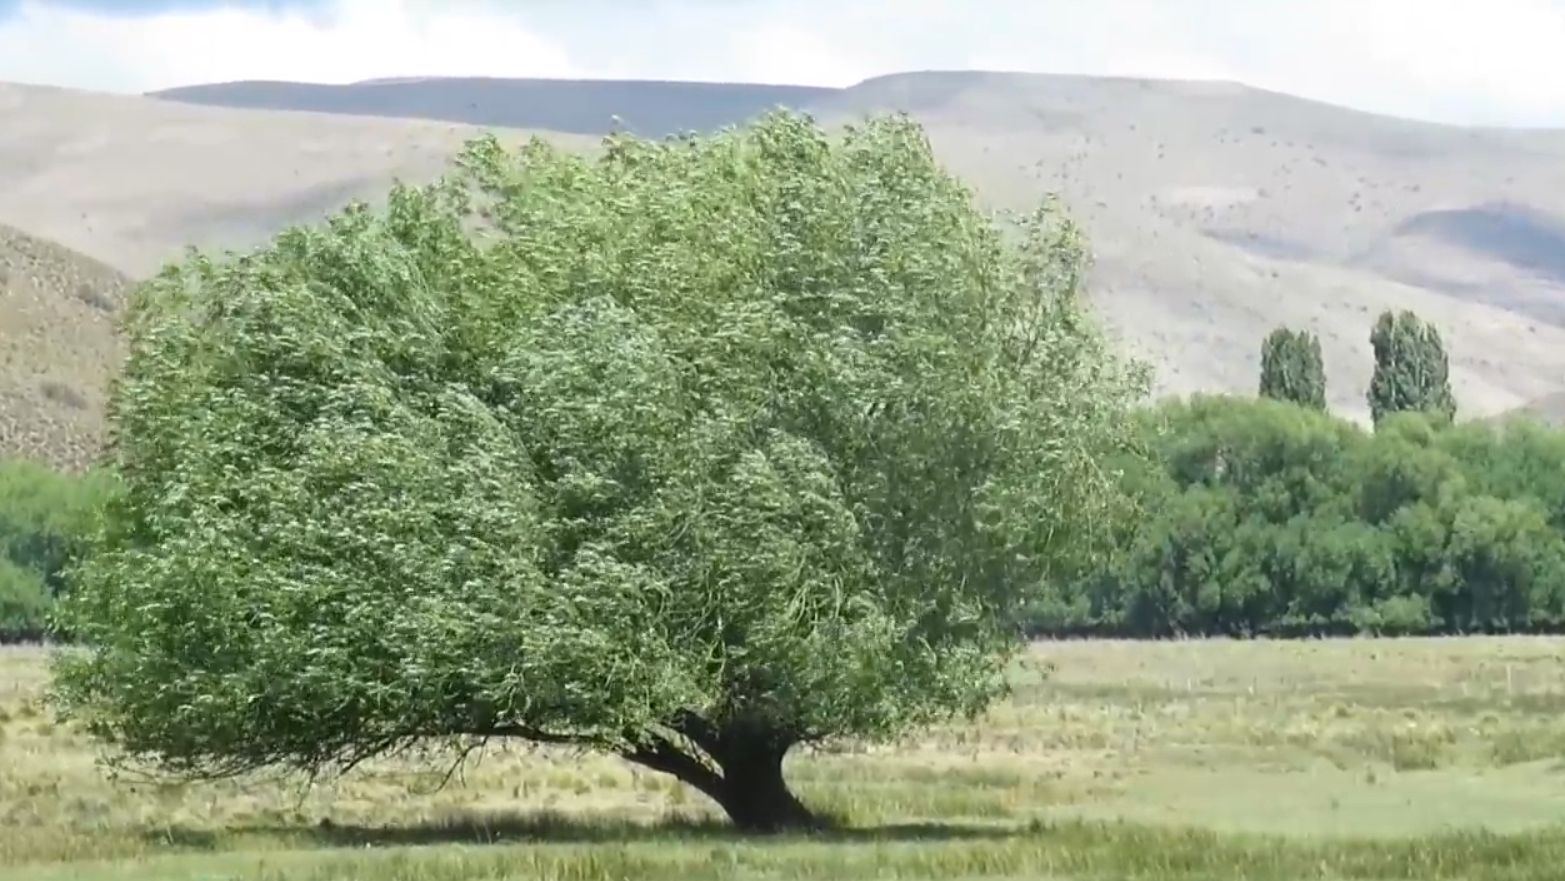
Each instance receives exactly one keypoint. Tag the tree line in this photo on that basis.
(1261, 517)
(1269, 516)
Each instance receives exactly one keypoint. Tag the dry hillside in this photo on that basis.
(647, 107)
(1216, 211)
(57, 348)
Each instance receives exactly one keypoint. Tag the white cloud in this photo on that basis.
(356, 39)
(1497, 62)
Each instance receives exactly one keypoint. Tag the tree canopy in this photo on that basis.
(692, 451)
(1292, 368)
(1412, 372)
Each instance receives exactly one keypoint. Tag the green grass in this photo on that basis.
(1412, 759)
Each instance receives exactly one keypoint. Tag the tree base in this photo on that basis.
(748, 783)
(765, 808)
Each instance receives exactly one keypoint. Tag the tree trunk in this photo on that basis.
(754, 794)
(748, 784)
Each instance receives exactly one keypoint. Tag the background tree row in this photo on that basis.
(1266, 517)
(1412, 370)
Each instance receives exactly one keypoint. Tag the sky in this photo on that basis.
(1496, 62)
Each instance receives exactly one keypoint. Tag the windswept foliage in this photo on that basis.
(1412, 372)
(696, 451)
(1292, 368)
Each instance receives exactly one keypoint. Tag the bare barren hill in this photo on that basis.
(58, 349)
(1216, 211)
(132, 181)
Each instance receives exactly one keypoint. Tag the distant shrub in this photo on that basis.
(1262, 517)
(24, 604)
(44, 519)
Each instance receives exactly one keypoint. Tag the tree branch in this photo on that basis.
(696, 729)
(536, 735)
(661, 754)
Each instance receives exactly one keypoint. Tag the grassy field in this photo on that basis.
(1414, 759)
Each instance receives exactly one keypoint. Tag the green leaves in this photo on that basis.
(773, 428)
(1264, 517)
(45, 517)
(1411, 368)
(1292, 369)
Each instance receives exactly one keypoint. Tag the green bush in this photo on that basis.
(24, 604)
(1266, 517)
(44, 518)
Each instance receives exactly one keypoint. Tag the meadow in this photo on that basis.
(1372, 759)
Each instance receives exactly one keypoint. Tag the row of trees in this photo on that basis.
(1271, 516)
(1412, 371)
(1266, 517)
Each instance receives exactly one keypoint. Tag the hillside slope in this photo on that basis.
(1216, 211)
(58, 349)
(132, 181)
(648, 108)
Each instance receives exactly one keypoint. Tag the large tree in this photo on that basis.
(691, 451)
(1412, 371)
(1292, 368)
